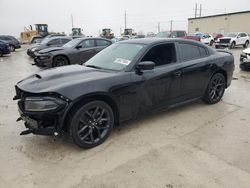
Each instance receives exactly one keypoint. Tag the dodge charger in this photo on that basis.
(126, 80)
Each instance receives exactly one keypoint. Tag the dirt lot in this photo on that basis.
(192, 146)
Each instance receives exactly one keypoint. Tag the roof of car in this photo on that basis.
(149, 41)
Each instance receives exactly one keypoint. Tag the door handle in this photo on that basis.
(177, 74)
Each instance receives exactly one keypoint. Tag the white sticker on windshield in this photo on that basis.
(122, 61)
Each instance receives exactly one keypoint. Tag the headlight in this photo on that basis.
(33, 49)
(43, 57)
(41, 104)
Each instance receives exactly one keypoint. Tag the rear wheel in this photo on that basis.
(91, 124)
(215, 89)
(59, 61)
(1, 53)
(246, 44)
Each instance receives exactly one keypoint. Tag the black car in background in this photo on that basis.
(4, 48)
(77, 51)
(123, 81)
(46, 43)
(12, 41)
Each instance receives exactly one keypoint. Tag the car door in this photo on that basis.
(87, 50)
(159, 87)
(195, 70)
(101, 44)
(244, 38)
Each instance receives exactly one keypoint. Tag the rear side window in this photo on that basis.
(189, 51)
(203, 52)
(243, 35)
(64, 41)
(54, 42)
(161, 55)
(102, 43)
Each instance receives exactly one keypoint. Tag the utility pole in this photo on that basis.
(200, 9)
(159, 27)
(171, 25)
(72, 21)
(125, 20)
(196, 8)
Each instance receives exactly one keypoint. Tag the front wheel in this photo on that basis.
(59, 61)
(91, 124)
(12, 48)
(211, 43)
(232, 45)
(215, 89)
(246, 44)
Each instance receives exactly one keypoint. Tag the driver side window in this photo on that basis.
(161, 55)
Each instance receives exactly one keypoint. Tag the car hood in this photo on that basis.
(226, 38)
(247, 51)
(50, 49)
(63, 78)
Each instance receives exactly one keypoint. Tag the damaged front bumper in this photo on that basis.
(41, 122)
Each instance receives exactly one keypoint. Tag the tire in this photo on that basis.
(91, 124)
(216, 46)
(1, 53)
(59, 61)
(215, 89)
(211, 43)
(232, 46)
(12, 48)
(246, 44)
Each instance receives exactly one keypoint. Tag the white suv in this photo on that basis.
(233, 39)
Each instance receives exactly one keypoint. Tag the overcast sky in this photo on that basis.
(93, 15)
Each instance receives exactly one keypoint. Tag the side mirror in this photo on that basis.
(145, 65)
(78, 47)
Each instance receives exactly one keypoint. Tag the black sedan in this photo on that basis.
(47, 43)
(12, 41)
(125, 80)
(77, 51)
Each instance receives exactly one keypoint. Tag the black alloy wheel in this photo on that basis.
(92, 124)
(215, 89)
(59, 61)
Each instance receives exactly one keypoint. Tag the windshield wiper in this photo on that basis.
(93, 66)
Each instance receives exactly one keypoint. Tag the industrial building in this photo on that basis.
(221, 23)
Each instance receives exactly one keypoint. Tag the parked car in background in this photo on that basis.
(77, 51)
(4, 48)
(171, 34)
(233, 39)
(122, 82)
(205, 38)
(217, 36)
(46, 43)
(150, 35)
(245, 60)
(39, 40)
(12, 41)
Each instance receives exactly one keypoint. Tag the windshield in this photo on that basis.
(163, 34)
(230, 35)
(45, 41)
(73, 43)
(115, 57)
